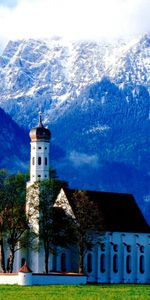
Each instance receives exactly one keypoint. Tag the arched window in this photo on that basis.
(89, 263)
(39, 160)
(115, 263)
(142, 264)
(45, 161)
(128, 264)
(33, 161)
(63, 262)
(102, 263)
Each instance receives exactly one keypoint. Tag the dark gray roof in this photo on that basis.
(120, 212)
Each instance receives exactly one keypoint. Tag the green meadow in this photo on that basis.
(70, 292)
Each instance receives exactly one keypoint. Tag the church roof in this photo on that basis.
(120, 212)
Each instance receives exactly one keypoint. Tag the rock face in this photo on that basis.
(95, 100)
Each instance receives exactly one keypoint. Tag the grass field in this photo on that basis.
(84, 292)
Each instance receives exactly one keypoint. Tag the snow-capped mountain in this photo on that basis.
(95, 99)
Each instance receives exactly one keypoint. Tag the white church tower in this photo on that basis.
(39, 170)
(39, 159)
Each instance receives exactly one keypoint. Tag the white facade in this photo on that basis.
(39, 162)
(121, 258)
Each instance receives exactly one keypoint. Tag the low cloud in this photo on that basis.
(81, 159)
(75, 19)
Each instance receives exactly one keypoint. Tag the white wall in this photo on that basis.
(40, 279)
(58, 279)
(9, 279)
(126, 248)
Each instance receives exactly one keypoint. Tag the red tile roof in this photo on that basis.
(25, 269)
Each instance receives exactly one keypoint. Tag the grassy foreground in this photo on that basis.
(84, 292)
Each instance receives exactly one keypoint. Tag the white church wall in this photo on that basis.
(58, 279)
(38, 169)
(41, 279)
(9, 278)
(121, 258)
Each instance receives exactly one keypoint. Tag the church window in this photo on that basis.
(33, 161)
(39, 176)
(128, 264)
(39, 160)
(63, 262)
(45, 161)
(45, 148)
(102, 263)
(89, 263)
(115, 263)
(142, 263)
(39, 148)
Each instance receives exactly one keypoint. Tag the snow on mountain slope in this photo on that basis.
(53, 72)
(133, 65)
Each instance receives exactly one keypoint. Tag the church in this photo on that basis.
(122, 256)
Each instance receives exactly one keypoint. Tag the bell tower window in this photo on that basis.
(39, 160)
(33, 161)
(45, 161)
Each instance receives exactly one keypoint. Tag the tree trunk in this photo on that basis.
(46, 249)
(11, 261)
(2, 255)
(81, 266)
(46, 262)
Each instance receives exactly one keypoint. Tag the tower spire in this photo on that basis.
(40, 124)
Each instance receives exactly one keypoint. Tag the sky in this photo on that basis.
(72, 19)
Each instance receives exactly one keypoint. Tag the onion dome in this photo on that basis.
(40, 133)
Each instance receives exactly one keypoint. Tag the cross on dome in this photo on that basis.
(40, 120)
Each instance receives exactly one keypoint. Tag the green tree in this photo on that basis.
(51, 224)
(15, 217)
(55, 225)
(3, 177)
(89, 221)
